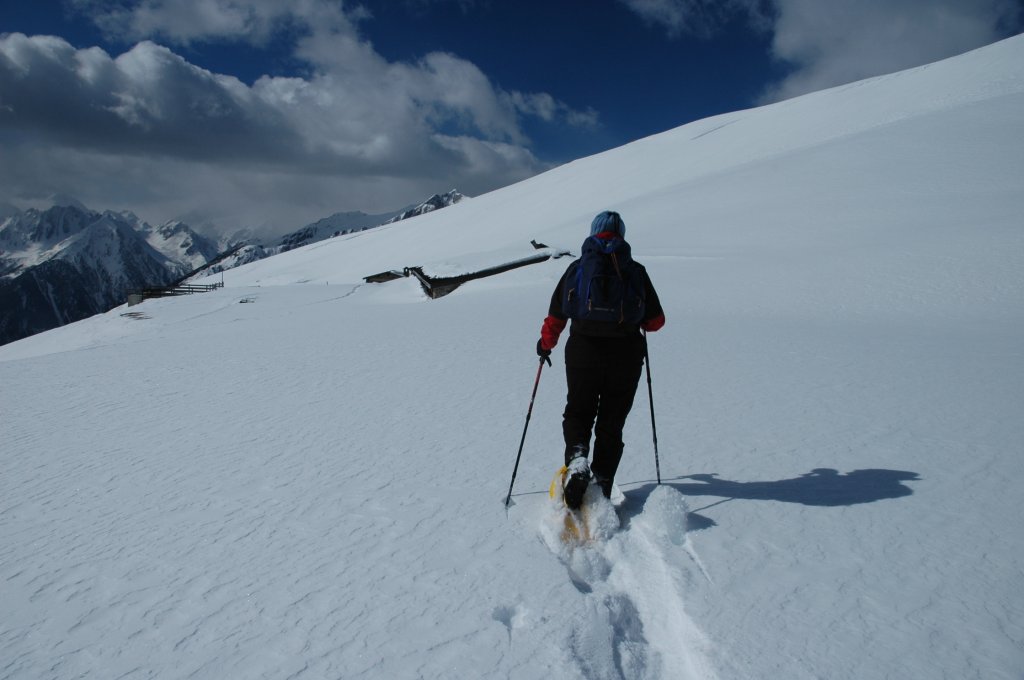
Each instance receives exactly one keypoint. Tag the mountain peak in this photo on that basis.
(68, 201)
(435, 202)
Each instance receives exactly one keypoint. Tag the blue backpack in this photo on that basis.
(604, 284)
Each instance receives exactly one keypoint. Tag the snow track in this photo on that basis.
(306, 485)
(632, 621)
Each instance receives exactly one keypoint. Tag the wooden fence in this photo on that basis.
(137, 296)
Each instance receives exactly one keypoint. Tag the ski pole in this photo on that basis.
(650, 396)
(522, 441)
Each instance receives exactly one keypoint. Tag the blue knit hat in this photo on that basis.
(608, 221)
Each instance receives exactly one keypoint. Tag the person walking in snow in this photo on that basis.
(609, 298)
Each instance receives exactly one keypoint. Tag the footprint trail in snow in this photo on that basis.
(631, 622)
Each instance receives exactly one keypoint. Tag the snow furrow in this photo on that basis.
(634, 624)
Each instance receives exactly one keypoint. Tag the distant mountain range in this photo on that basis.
(338, 224)
(435, 202)
(68, 262)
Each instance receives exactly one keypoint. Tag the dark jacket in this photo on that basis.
(554, 324)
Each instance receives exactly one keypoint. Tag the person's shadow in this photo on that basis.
(823, 487)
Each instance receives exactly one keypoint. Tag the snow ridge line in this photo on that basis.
(632, 622)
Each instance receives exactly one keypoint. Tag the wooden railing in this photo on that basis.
(137, 296)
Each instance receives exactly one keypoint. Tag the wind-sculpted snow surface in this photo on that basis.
(300, 475)
(632, 620)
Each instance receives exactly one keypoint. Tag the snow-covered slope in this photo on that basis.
(303, 474)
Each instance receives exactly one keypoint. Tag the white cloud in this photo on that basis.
(186, 21)
(449, 89)
(354, 119)
(831, 42)
(696, 17)
(546, 107)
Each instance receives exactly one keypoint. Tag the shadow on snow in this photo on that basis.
(823, 487)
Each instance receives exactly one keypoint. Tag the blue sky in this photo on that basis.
(245, 112)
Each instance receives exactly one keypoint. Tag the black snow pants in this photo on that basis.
(602, 374)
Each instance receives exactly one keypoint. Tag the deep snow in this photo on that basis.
(310, 484)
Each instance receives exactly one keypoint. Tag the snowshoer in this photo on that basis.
(610, 299)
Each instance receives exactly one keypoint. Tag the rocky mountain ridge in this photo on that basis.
(68, 262)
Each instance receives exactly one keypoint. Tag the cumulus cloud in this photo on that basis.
(185, 21)
(831, 43)
(835, 43)
(364, 131)
(148, 100)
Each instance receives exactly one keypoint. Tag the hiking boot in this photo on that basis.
(575, 484)
(606, 485)
(574, 451)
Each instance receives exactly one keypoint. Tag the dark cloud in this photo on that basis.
(368, 133)
(147, 101)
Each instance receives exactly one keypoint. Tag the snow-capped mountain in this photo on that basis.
(236, 256)
(8, 210)
(243, 247)
(180, 243)
(435, 202)
(28, 236)
(337, 224)
(68, 262)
